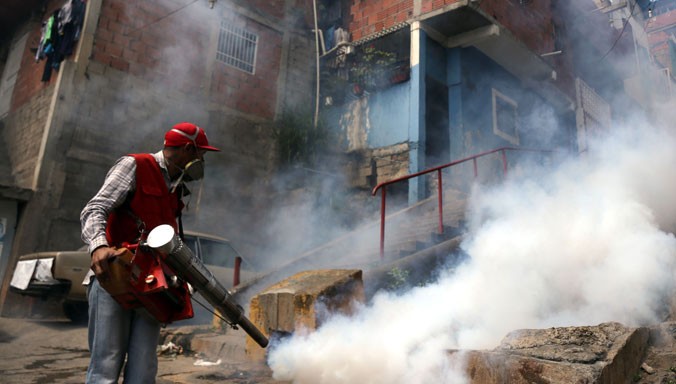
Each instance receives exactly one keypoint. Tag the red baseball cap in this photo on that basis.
(183, 133)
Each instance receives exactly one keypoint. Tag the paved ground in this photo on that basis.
(209, 347)
(660, 359)
(55, 351)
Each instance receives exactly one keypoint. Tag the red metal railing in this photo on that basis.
(382, 186)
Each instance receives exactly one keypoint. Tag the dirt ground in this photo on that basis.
(660, 361)
(56, 351)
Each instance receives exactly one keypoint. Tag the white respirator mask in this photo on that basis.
(193, 171)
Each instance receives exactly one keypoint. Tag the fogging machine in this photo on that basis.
(156, 277)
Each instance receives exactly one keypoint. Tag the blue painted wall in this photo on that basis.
(416, 124)
(389, 116)
(537, 121)
(436, 61)
(455, 104)
(479, 76)
(396, 114)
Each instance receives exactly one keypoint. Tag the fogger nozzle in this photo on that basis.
(180, 258)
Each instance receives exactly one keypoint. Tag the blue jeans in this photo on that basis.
(116, 333)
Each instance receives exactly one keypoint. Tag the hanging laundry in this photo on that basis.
(59, 36)
(51, 44)
(71, 17)
(40, 54)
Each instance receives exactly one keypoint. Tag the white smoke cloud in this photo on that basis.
(582, 244)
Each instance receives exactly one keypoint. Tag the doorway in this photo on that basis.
(437, 143)
(8, 212)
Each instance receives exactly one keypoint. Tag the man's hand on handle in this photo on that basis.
(100, 261)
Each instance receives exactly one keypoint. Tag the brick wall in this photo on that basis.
(251, 93)
(158, 41)
(368, 17)
(391, 162)
(300, 81)
(139, 79)
(272, 7)
(120, 113)
(531, 23)
(658, 29)
(368, 167)
(23, 135)
(138, 37)
(563, 63)
(28, 80)
(428, 6)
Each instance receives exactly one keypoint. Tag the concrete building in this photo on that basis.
(133, 70)
(660, 19)
(459, 77)
(406, 84)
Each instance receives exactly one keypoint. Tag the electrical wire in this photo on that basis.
(317, 89)
(162, 17)
(624, 27)
(208, 308)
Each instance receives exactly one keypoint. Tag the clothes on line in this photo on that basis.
(60, 33)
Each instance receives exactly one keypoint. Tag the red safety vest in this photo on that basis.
(151, 205)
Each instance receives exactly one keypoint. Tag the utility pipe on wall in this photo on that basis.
(314, 8)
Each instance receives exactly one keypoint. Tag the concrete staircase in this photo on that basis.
(412, 241)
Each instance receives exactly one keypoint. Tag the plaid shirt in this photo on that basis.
(119, 185)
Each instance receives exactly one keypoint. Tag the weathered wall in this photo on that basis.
(29, 78)
(374, 130)
(141, 67)
(368, 17)
(179, 51)
(658, 33)
(144, 66)
(380, 121)
(298, 82)
(29, 106)
(403, 115)
(368, 167)
(23, 130)
(531, 23)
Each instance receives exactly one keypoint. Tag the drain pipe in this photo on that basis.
(314, 8)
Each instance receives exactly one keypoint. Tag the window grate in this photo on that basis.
(237, 47)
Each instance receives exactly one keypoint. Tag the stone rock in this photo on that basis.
(608, 353)
(302, 302)
(648, 369)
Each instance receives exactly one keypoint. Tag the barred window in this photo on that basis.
(237, 47)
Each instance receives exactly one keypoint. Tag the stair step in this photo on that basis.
(413, 245)
(407, 231)
(449, 233)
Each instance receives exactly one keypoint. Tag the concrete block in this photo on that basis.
(301, 302)
(607, 353)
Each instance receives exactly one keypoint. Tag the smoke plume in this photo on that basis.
(587, 242)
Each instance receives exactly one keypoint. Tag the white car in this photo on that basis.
(59, 274)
